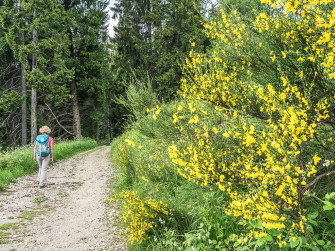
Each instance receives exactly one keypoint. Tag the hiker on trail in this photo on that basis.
(43, 153)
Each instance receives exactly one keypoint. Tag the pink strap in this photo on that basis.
(50, 141)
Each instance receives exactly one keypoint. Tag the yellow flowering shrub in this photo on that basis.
(139, 215)
(137, 158)
(254, 124)
(143, 159)
(270, 86)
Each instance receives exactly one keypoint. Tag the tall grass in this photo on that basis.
(20, 162)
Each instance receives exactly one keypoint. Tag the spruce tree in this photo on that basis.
(34, 31)
(87, 31)
(153, 38)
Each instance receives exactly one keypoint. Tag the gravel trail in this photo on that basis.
(70, 213)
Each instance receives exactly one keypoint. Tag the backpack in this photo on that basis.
(42, 145)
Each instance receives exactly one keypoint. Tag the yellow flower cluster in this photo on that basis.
(122, 152)
(257, 151)
(130, 142)
(139, 215)
(142, 167)
(158, 110)
(314, 21)
(266, 158)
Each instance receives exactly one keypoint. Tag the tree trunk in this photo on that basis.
(149, 37)
(97, 132)
(33, 91)
(33, 127)
(73, 85)
(75, 110)
(109, 130)
(24, 106)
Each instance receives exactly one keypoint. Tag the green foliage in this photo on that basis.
(51, 47)
(247, 9)
(40, 199)
(20, 161)
(86, 29)
(71, 46)
(153, 38)
(328, 202)
(3, 52)
(138, 97)
(9, 100)
(87, 32)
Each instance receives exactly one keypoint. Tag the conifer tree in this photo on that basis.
(87, 31)
(34, 31)
(152, 39)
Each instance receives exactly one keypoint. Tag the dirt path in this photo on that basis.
(69, 213)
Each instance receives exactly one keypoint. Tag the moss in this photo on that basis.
(63, 194)
(31, 214)
(3, 237)
(8, 226)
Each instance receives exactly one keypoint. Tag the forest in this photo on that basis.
(220, 115)
(60, 67)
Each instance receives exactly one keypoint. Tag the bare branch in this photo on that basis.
(316, 180)
(58, 121)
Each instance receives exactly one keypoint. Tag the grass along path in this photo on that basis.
(69, 214)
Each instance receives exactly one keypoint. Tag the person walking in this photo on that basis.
(43, 153)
